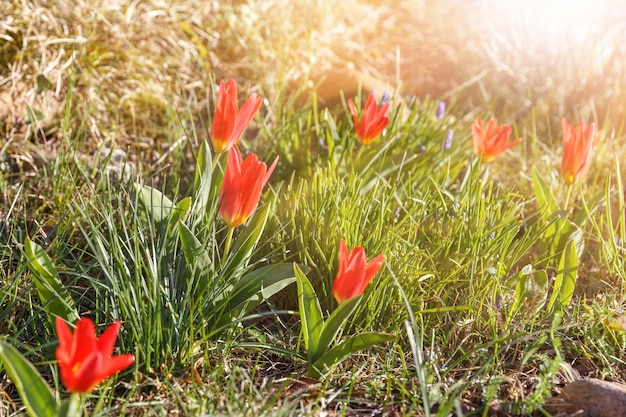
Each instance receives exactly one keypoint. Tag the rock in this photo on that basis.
(590, 398)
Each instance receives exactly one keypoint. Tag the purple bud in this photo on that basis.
(397, 212)
(491, 235)
(422, 149)
(441, 110)
(385, 97)
(447, 142)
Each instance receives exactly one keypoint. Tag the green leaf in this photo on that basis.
(202, 183)
(52, 293)
(523, 288)
(565, 281)
(589, 207)
(71, 407)
(195, 255)
(181, 208)
(259, 285)
(334, 323)
(541, 280)
(34, 392)
(545, 199)
(310, 313)
(156, 204)
(568, 270)
(560, 232)
(344, 350)
(246, 242)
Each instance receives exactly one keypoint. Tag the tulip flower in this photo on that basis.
(491, 141)
(373, 121)
(241, 190)
(578, 142)
(229, 123)
(354, 272)
(86, 360)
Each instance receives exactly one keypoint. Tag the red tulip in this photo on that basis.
(228, 122)
(491, 141)
(86, 360)
(354, 272)
(373, 121)
(578, 142)
(241, 190)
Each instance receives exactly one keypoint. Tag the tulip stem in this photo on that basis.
(229, 239)
(216, 159)
(73, 407)
(358, 154)
(567, 197)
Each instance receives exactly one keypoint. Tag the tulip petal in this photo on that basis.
(244, 117)
(82, 366)
(242, 186)
(116, 364)
(107, 339)
(88, 374)
(354, 273)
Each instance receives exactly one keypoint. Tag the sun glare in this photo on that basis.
(558, 20)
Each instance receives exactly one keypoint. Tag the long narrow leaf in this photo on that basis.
(334, 323)
(258, 285)
(194, 252)
(52, 293)
(246, 242)
(568, 269)
(310, 313)
(202, 183)
(344, 350)
(545, 199)
(181, 208)
(156, 204)
(34, 392)
(198, 261)
(565, 280)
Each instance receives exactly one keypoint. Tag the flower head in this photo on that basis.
(354, 272)
(578, 142)
(373, 121)
(86, 360)
(241, 190)
(491, 141)
(440, 112)
(447, 141)
(229, 122)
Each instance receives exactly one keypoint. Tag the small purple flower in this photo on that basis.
(422, 149)
(397, 212)
(447, 142)
(385, 97)
(491, 235)
(441, 110)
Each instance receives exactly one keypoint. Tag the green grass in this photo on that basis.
(469, 272)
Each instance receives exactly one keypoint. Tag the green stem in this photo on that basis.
(567, 197)
(358, 154)
(229, 239)
(215, 161)
(74, 405)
